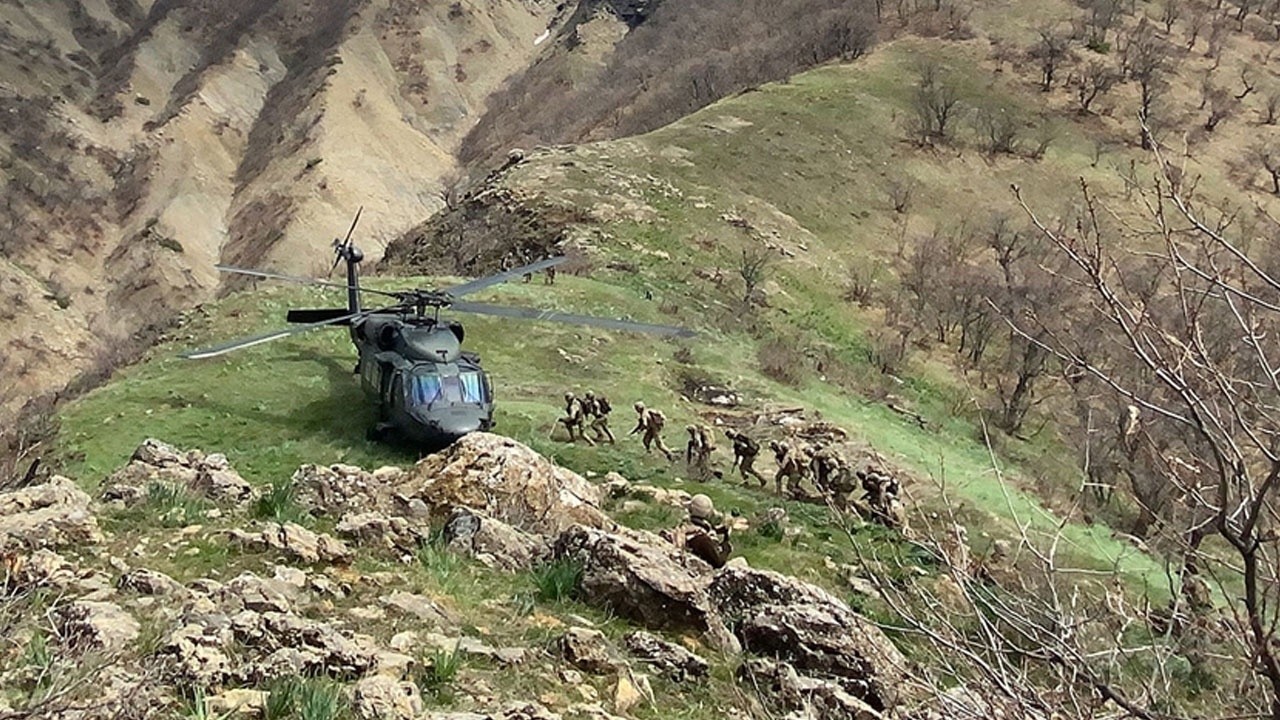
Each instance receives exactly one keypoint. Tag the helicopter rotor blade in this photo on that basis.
(572, 319)
(295, 279)
(498, 278)
(267, 337)
(352, 229)
(345, 243)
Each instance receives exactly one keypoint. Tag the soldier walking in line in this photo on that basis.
(697, 452)
(745, 451)
(597, 408)
(792, 465)
(651, 423)
(575, 418)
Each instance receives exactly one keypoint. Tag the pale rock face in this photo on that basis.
(51, 515)
(210, 476)
(675, 661)
(493, 542)
(588, 650)
(298, 542)
(89, 625)
(378, 697)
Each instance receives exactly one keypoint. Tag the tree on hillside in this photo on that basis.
(1148, 64)
(1267, 155)
(1092, 81)
(1051, 51)
(1170, 12)
(935, 103)
(753, 266)
(1191, 340)
(1271, 107)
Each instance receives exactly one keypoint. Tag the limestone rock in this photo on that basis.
(643, 578)
(492, 542)
(149, 582)
(250, 703)
(781, 687)
(299, 646)
(42, 568)
(153, 461)
(89, 625)
(817, 633)
(630, 691)
(673, 660)
(195, 655)
(508, 482)
(297, 541)
(421, 607)
(250, 592)
(587, 650)
(339, 490)
(380, 698)
(379, 529)
(51, 515)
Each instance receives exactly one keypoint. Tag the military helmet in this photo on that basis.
(690, 428)
(589, 395)
(569, 396)
(638, 406)
(701, 507)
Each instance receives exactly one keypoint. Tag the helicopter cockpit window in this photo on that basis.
(472, 387)
(424, 389)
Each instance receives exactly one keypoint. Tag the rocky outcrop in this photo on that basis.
(588, 650)
(492, 542)
(643, 578)
(380, 530)
(786, 691)
(89, 625)
(51, 515)
(149, 582)
(508, 482)
(209, 476)
(380, 698)
(814, 632)
(672, 660)
(298, 542)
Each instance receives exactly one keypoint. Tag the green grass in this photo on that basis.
(557, 580)
(306, 699)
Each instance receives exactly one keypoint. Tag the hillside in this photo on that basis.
(882, 244)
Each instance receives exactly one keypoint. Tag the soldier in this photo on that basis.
(827, 466)
(697, 451)
(881, 494)
(598, 409)
(575, 417)
(651, 422)
(705, 533)
(791, 467)
(550, 277)
(744, 455)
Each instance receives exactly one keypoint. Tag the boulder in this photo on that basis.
(380, 530)
(673, 660)
(420, 607)
(811, 630)
(89, 625)
(380, 698)
(194, 654)
(494, 543)
(786, 691)
(588, 650)
(244, 702)
(51, 515)
(508, 482)
(299, 646)
(149, 582)
(474, 647)
(298, 542)
(247, 591)
(643, 578)
(339, 490)
(42, 568)
(153, 461)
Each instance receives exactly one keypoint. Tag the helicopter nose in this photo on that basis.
(456, 427)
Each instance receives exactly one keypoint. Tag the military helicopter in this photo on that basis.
(429, 390)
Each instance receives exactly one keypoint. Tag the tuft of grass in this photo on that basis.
(557, 580)
(174, 506)
(438, 673)
(305, 699)
(279, 502)
(442, 565)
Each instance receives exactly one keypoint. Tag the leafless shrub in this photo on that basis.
(1091, 82)
(1271, 108)
(781, 360)
(901, 192)
(863, 279)
(753, 265)
(998, 128)
(1051, 51)
(1267, 155)
(935, 104)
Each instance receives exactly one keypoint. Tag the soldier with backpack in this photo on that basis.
(598, 408)
(697, 453)
(575, 417)
(651, 422)
(745, 451)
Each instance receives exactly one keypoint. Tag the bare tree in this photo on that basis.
(1195, 25)
(753, 266)
(1267, 154)
(901, 191)
(1222, 105)
(1170, 12)
(1271, 109)
(1050, 51)
(998, 127)
(1247, 80)
(1100, 16)
(1200, 358)
(1092, 81)
(1148, 65)
(935, 103)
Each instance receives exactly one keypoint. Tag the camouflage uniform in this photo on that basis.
(792, 463)
(704, 534)
(651, 422)
(881, 494)
(697, 452)
(597, 409)
(575, 417)
(745, 451)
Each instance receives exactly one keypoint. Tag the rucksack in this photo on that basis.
(659, 420)
(749, 446)
(602, 406)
